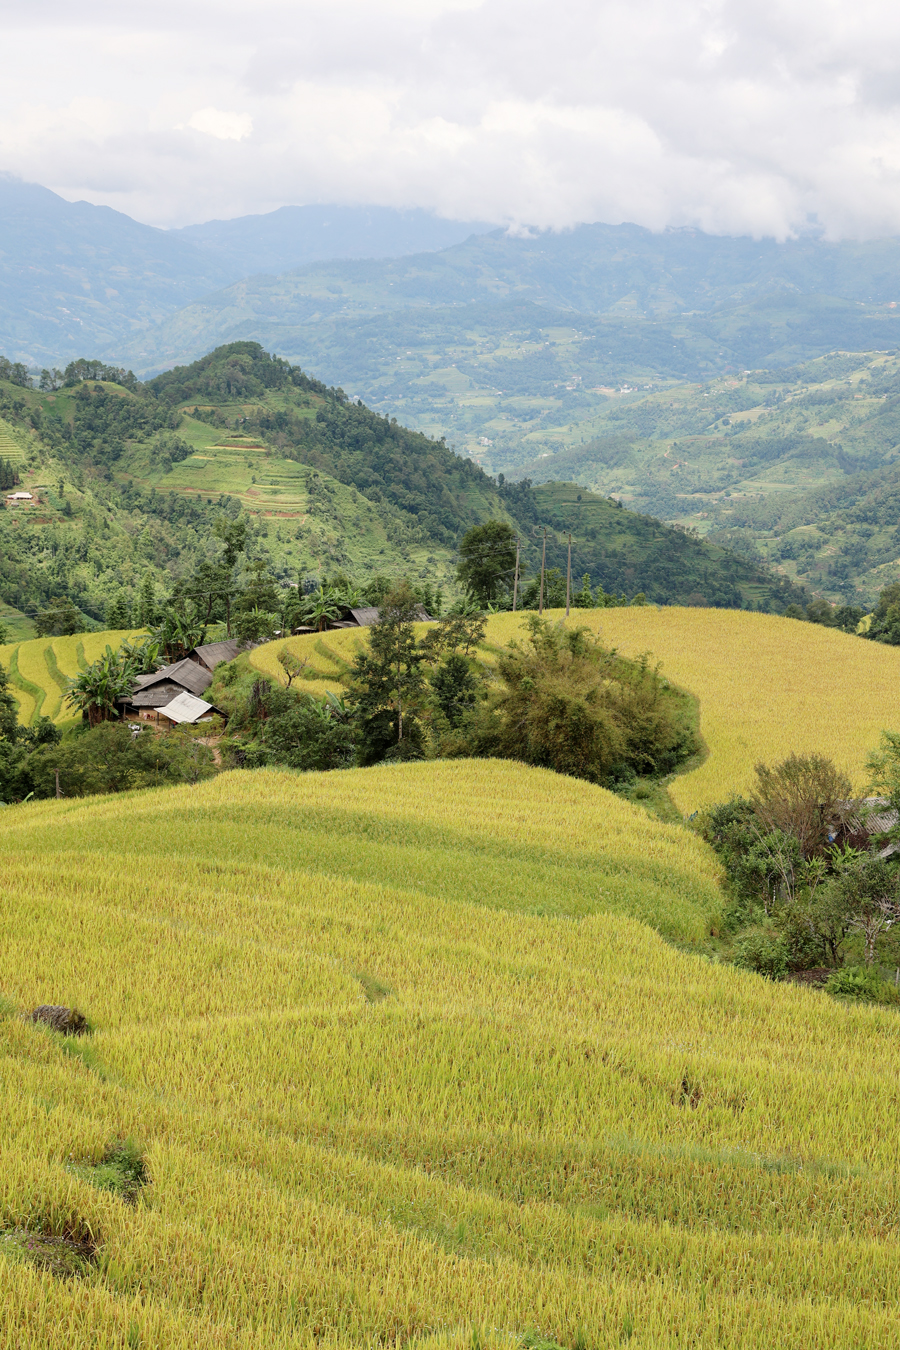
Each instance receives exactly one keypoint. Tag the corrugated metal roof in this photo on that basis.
(196, 679)
(211, 653)
(365, 616)
(186, 708)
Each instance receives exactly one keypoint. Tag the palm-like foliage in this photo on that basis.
(97, 689)
(178, 634)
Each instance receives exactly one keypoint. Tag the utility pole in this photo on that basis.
(569, 578)
(543, 563)
(516, 580)
(58, 793)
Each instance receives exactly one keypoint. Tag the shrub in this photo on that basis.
(862, 983)
(763, 951)
(567, 703)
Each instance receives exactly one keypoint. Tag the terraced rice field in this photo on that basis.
(9, 445)
(40, 668)
(407, 1072)
(767, 686)
(280, 486)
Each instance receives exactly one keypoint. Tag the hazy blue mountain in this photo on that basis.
(707, 301)
(296, 235)
(78, 279)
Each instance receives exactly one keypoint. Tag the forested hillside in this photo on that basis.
(132, 480)
(799, 466)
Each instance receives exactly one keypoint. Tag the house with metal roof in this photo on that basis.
(210, 654)
(153, 692)
(185, 708)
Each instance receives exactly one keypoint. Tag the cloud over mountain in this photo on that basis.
(741, 116)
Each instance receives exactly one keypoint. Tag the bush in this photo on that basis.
(565, 702)
(862, 983)
(763, 951)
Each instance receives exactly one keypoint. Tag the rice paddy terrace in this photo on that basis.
(39, 670)
(421, 1055)
(767, 686)
(407, 1064)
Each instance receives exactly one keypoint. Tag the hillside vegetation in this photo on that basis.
(797, 466)
(766, 686)
(389, 1089)
(130, 480)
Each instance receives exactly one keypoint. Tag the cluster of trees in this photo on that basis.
(9, 476)
(559, 700)
(885, 622)
(806, 876)
(845, 617)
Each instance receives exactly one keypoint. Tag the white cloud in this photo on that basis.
(735, 115)
(225, 126)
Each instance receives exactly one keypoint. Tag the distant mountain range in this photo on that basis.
(78, 279)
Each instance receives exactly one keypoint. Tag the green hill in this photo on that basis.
(130, 478)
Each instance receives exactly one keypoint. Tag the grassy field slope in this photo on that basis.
(385, 1101)
(767, 686)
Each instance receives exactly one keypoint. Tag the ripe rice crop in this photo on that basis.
(407, 1069)
(766, 686)
(40, 669)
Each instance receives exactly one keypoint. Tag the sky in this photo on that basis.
(762, 117)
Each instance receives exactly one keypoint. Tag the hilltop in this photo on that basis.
(132, 478)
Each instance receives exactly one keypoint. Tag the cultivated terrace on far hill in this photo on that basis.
(132, 480)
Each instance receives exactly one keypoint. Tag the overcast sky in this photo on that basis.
(752, 116)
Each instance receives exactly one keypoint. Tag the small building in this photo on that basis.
(185, 708)
(19, 497)
(152, 693)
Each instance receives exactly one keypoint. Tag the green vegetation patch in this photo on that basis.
(122, 1170)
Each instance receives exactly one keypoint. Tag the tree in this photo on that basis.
(9, 710)
(487, 561)
(884, 766)
(292, 666)
(179, 633)
(454, 633)
(59, 619)
(885, 624)
(806, 796)
(388, 677)
(310, 735)
(148, 613)
(118, 612)
(870, 890)
(254, 625)
(455, 688)
(96, 691)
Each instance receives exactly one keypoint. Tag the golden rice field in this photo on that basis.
(407, 1071)
(766, 686)
(39, 670)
